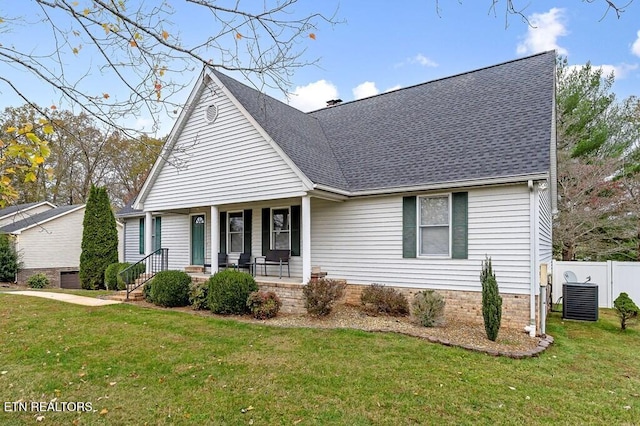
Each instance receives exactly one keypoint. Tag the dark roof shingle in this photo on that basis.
(37, 218)
(489, 123)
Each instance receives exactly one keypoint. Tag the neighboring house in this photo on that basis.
(410, 188)
(22, 211)
(49, 242)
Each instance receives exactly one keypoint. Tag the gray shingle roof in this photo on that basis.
(37, 219)
(489, 123)
(129, 211)
(14, 209)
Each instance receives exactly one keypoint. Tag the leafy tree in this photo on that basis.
(8, 259)
(99, 240)
(595, 139)
(82, 154)
(491, 301)
(22, 152)
(138, 49)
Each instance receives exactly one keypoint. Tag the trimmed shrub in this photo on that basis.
(8, 259)
(111, 277)
(99, 239)
(198, 295)
(170, 288)
(428, 308)
(229, 291)
(146, 291)
(491, 301)
(377, 298)
(264, 305)
(320, 295)
(626, 309)
(38, 281)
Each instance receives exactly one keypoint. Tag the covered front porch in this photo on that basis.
(202, 240)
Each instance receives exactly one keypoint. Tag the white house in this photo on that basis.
(48, 240)
(411, 188)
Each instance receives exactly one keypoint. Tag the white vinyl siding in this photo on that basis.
(54, 244)
(132, 239)
(222, 162)
(366, 247)
(176, 233)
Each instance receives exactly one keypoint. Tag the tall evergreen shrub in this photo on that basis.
(99, 239)
(626, 309)
(8, 259)
(491, 301)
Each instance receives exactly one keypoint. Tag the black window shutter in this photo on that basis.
(295, 230)
(158, 233)
(409, 227)
(223, 232)
(460, 219)
(266, 230)
(141, 236)
(247, 231)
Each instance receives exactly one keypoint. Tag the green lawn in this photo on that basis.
(140, 366)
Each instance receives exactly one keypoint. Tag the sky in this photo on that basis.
(381, 46)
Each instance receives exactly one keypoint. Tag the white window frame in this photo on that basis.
(420, 226)
(229, 231)
(271, 230)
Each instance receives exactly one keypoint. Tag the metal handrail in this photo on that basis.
(145, 269)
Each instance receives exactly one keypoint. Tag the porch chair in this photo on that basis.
(275, 257)
(222, 260)
(244, 262)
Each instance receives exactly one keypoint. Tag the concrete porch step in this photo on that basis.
(134, 296)
(194, 269)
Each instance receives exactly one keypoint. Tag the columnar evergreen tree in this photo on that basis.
(491, 301)
(99, 239)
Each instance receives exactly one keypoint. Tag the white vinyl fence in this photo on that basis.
(612, 278)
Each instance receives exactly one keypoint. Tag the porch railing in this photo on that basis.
(145, 269)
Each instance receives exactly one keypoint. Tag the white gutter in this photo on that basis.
(501, 180)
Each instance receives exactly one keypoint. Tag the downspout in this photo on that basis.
(531, 328)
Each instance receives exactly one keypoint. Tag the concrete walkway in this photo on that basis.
(63, 297)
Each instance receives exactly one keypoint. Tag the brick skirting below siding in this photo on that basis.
(52, 273)
(461, 306)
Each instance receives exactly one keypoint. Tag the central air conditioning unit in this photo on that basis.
(580, 301)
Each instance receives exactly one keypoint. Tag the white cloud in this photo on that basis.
(620, 71)
(364, 90)
(635, 48)
(391, 89)
(543, 33)
(423, 60)
(313, 96)
(419, 59)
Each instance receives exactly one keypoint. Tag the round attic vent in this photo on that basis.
(212, 113)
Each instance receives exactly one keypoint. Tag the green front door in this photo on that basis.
(197, 239)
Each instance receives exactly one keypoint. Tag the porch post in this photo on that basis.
(215, 238)
(148, 238)
(306, 238)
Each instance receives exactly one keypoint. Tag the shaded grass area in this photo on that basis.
(139, 365)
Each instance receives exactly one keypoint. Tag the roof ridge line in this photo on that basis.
(432, 81)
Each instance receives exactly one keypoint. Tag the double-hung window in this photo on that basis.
(236, 232)
(434, 225)
(280, 229)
